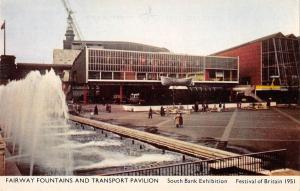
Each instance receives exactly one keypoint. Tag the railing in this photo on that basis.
(248, 164)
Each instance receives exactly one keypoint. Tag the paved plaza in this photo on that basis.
(245, 130)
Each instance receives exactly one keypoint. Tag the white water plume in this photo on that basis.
(31, 109)
(78, 145)
(114, 160)
(74, 132)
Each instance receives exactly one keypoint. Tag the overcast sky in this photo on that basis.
(35, 27)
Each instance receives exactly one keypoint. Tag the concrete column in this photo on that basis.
(121, 93)
(206, 75)
(85, 95)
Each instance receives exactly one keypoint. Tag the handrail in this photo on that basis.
(243, 162)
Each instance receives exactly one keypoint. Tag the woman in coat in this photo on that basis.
(177, 119)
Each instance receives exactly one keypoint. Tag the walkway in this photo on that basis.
(288, 116)
(229, 127)
(164, 142)
(252, 131)
(225, 137)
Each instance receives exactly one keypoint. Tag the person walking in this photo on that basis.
(177, 120)
(239, 105)
(96, 110)
(268, 103)
(150, 113)
(180, 120)
(108, 108)
(162, 111)
(79, 108)
(196, 106)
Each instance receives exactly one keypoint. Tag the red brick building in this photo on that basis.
(262, 60)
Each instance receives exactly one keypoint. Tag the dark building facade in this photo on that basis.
(7, 68)
(104, 73)
(22, 69)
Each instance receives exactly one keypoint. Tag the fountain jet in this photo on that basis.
(32, 110)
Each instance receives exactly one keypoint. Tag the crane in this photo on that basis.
(72, 20)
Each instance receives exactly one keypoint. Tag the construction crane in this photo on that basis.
(72, 20)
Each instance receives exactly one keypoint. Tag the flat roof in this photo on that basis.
(121, 44)
(43, 66)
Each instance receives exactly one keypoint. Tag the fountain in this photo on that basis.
(33, 111)
(34, 119)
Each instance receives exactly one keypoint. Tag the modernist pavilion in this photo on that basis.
(102, 73)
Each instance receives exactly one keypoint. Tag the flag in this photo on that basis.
(3, 25)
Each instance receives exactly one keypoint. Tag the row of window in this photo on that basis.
(281, 44)
(213, 75)
(141, 76)
(283, 63)
(221, 63)
(270, 58)
(141, 68)
(114, 60)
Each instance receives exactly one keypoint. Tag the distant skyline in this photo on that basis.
(35, 27)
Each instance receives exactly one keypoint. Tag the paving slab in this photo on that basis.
(251, 131)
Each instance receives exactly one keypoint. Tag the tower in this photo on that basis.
(69, 34)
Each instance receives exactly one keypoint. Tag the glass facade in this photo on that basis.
(280, 61)
(104, 64)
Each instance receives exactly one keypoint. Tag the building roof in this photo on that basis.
(43, 66)
(279, 35)
(290, 36)
(121, 45)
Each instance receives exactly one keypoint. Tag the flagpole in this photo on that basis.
(4, 37)
(3, 27)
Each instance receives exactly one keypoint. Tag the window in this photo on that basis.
(118, 76)
(141, 76)
(94, 75)
(152, 76)
(106, 75)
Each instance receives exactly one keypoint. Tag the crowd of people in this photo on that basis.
(77, 108)
(178, 117)
(107, 109)
(205, 108)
